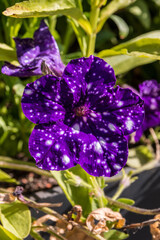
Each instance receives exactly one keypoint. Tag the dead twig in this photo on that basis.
(140, 225)
(132, 208)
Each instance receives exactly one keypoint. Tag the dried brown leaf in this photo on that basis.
(6, 198)
(155, 229)
(96, 220)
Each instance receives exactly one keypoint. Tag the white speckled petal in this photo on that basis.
(41, 101)
(53, 146)
(122, 107)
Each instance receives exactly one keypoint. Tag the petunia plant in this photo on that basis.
(82, 117)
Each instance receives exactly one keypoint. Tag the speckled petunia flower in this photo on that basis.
(81, 118)
(31, 53)
(149, 91)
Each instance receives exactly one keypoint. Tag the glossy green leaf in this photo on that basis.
(124, 63)
(7, 53)
(138, 51)
(140, 10)
(126, 201)
(121, 25)
(115, 235)
(4, 177)
(139, 156)
(43, 8)
(6, 235)
(77, 194)
(16, 218)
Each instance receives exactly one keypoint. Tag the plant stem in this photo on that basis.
(119, 191)
(10, 163)
(92, 37)
(154, 136)
(132, 208)
(98, 191)
(63, 219)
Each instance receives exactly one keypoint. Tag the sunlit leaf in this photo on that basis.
(4, 177)
(122, 26)
(43, 8)
(139, 156)
(111, 8)
(7, 53)
(138, 51)
(16, 218)
(115, 235)
(77, 194)
(126, 201)
(124, 63)
(6, 235)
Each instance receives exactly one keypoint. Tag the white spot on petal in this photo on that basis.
(48, 142)
(28, 91)
(57, 146)
(129, 124)
(120, 103)
(111, 127)
(97, 147)
(65, 159)
(76, 126)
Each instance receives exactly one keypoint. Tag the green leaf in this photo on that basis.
(77, 195)
(124, 63)
(6, 235)
(115, 235)
(111, 8)
(138, 51)
(4, 177)
(126, 201)
(7, 53)
(43, 8)
(122, 26)
(140, 10)
(16, 218)
(139, 156)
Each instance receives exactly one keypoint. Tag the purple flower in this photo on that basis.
(32, 52)
(150, 93)
(81, 118)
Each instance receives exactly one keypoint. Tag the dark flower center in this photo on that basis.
(81, 111)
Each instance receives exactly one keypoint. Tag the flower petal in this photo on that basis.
(81, 73)
(100, 71)
(41, 100)
(27, 51)
(150, 93)
(53, 146)
(123, 108)
(48, 48)
(102, 152)
(20, 71)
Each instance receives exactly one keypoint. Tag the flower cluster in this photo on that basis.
(32, 52)
(81, 118)
(149, 91)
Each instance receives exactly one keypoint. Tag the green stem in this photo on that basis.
(10, 163)
(118, 192)
(132, 208)
(99, 194)
(94, 15)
